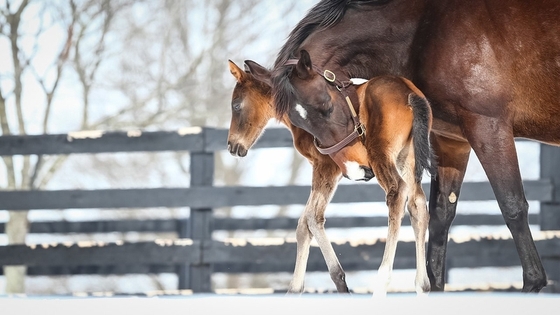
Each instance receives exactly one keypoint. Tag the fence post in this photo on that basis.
(197, 277)
(549, 218)
(550, 168)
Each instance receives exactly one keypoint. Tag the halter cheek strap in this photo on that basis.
(359, 128)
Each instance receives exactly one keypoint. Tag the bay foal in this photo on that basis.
(251, 110)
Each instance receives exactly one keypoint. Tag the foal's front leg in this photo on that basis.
(303, 238)
(312, 223)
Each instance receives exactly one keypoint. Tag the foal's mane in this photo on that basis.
(323, 15)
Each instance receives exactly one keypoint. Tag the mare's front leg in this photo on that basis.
(493, 142)
(452, 159)
(312, 223)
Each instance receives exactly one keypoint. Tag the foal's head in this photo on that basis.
(251, 107)
(320, 109)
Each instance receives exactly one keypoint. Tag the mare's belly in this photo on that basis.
(541, 124)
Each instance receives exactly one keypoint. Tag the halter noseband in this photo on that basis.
(359, 128)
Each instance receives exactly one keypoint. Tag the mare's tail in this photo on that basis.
(423, 153)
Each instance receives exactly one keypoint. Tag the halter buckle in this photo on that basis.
(360, 129)
(329, 76)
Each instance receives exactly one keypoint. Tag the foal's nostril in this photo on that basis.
(232, 148)
(241, 151)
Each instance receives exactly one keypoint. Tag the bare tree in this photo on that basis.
(26, 68)
(17, 226)
(160, 64)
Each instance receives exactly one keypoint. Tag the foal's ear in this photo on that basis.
(259, 72)
(236, 71)
(304, 67)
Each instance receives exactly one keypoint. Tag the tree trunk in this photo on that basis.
(16, 230)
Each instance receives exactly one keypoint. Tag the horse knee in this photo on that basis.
(441, 216)
(395, 194)
(417, 208)
(303, 232)
(515, 212)
(315, 222)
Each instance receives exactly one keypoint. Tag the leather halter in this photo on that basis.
(359, 128)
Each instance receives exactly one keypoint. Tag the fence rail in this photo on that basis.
(196, 256)
(236, 224)
(244, 256)
(214, 197)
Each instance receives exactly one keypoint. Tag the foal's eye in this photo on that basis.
(237, 107)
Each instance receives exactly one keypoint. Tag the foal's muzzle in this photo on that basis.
(362, 173)
(368, 173)
(236, 149)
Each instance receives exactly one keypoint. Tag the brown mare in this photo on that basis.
(395, 145)
(251, 109)
(490, 68)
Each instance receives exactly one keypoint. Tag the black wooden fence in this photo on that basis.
(195, 256)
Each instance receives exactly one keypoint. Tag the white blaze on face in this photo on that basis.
(358, 81)
(354, 171)
(302, 112)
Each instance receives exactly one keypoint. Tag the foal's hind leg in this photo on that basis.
(311, 223)
(419, 218)
(396, 191)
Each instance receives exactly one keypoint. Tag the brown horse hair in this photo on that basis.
(322, 16)
(490, 72)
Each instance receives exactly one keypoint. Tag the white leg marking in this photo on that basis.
(383, 280)
(302, 112)
(452, 197)
(354, 171)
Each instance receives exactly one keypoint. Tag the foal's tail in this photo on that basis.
(423, 153)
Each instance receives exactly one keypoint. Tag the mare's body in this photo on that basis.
(491, 70)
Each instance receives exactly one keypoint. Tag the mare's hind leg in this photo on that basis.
(396, 192)
(494, 144)
(452, 157)
(312, 223)
(419, 217)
